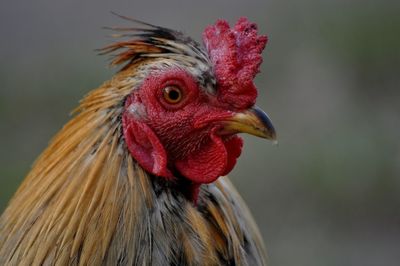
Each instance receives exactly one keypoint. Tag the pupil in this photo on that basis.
(173, 95)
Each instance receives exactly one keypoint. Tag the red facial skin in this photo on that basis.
(183, 138)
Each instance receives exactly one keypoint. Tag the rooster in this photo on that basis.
(137, 176)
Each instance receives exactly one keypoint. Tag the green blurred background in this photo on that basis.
(328, 194)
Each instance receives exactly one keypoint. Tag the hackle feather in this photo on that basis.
(87, 202)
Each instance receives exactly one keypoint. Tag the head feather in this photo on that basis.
(149, 40)
(227, 66)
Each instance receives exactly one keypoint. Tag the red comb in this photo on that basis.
(236, 55)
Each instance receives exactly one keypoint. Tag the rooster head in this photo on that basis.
(182, 116)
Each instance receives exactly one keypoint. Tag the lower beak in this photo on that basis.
(253, 121)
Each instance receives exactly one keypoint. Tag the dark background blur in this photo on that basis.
(328, 194)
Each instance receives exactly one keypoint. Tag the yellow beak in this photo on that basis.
(253, 121)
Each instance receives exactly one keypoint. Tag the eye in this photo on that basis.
(172, 94)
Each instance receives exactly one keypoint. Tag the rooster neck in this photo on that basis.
(178, 186)
(86, 201)
(218, 230)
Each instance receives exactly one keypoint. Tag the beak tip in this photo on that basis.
(265, 121)
(271, 135)
(253, 121)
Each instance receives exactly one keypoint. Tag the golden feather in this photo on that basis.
(87, 202)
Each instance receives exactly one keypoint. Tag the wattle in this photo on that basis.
(216, 158)
(233, 146)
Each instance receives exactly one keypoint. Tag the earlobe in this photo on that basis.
(145, 147)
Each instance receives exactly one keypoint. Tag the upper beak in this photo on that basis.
(253, 121)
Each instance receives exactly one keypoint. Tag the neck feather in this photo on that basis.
(86, 201)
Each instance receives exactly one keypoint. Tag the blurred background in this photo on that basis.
(329, 194)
